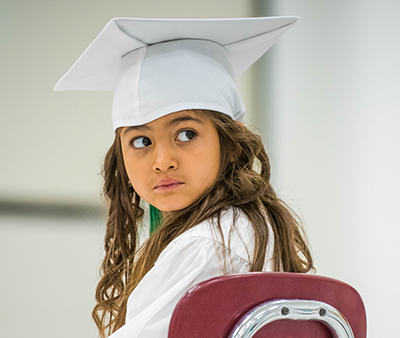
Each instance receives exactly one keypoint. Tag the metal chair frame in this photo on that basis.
(271, 311)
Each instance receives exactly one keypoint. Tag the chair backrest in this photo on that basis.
(214, 307)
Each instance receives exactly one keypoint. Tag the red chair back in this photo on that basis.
(212, 308)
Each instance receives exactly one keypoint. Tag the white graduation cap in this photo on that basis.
(160, 66)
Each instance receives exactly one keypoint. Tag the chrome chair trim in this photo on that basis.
(294, 309)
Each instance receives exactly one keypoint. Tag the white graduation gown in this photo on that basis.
(191, 258)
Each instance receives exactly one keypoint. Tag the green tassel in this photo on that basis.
(155, 218)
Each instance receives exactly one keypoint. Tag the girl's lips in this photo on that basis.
(168, 184)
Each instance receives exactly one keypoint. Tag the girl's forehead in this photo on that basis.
(178, 117)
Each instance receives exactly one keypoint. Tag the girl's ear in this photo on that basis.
(240, 124)
(238, 150)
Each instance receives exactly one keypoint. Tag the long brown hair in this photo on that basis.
(238, 185)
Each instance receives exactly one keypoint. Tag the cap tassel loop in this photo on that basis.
(155, 218)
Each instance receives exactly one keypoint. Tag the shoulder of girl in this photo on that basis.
(207, 229)
(231, 221)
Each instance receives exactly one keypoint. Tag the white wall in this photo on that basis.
(335, 143)
(49, 271)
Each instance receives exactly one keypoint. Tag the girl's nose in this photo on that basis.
(165, 159)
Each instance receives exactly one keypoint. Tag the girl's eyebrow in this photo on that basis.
(141, 127)
(175, 121)
(183, 118)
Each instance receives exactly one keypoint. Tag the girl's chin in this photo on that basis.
(166, 210)
(173, 202)
(169, 207)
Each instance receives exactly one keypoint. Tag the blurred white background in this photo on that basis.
(326, 99)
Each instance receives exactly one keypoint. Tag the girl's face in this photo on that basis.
(171, 161)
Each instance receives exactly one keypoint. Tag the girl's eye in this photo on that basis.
(141, 142)
(186, 135)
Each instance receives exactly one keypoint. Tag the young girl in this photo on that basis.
(181, 147)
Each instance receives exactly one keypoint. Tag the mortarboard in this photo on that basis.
(161, 66)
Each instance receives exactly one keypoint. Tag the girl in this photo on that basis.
(181, 147)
